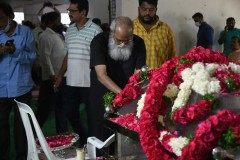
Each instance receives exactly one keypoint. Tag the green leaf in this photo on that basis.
(185, 61)
(228, 139)
(215, 101)
(108, 99)
(143, 75)
(230, 83)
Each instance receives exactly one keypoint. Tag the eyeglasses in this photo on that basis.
(119, 41)
(71, 11)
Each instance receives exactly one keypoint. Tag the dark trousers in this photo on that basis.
(50, 101)
(74, 97)
(97, 129)
(20, 139)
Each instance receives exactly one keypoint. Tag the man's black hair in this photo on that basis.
(153, 2)
(197, 15)
(51, 17)
(7, 9)
(97, 21)
(230, 19)
(82, 5)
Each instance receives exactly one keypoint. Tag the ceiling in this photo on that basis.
(18, 5)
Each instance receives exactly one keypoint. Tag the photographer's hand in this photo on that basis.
(1, 49)
(10, 48)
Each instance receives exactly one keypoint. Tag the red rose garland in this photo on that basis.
(130, 91)
(153, 105)
(207, 135)
(189, 114)
(148, 130)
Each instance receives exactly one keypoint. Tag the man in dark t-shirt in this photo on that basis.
(113, 59)
(205, 31)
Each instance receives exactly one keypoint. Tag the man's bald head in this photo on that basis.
(122, 29)
(122, 24)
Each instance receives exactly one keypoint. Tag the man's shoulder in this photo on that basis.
(208, 26)
(103, 36)
(23, 28)
(137, 39)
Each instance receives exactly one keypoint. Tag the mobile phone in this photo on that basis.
(9, 42)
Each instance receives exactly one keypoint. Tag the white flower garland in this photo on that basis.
(176, 143)
(198, 78)
(140, 104)
(171, 92)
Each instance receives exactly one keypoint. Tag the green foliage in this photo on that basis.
(185, 61)
(231, 84)
(215, 101)
(108, 99)
(143, 75)
(228, 139)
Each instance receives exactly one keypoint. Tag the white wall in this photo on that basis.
(178, 15)
(99, 9)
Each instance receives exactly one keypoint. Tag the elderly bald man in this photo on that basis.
(114, 57)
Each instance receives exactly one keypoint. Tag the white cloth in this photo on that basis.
(51, 52)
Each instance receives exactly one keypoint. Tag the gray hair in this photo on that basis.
(121, 21)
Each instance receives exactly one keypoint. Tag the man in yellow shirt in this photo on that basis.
(157, 35)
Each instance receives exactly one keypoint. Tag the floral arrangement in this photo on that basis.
(206, 72)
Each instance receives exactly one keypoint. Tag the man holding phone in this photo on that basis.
(17, 53)
(227, 34)
(7, 47)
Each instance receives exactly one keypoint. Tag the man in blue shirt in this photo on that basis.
(16, 56)
(205, 32)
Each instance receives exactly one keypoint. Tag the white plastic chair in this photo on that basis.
(25, 111)
(93, 142)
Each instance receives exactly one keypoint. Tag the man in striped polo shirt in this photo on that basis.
(77, 43)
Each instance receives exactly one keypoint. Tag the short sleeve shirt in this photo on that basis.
(118, 71)
(77, 44)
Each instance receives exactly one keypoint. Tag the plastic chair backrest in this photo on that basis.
(26, 113)
(93, 142)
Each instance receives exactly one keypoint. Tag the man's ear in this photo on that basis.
(84, 13)
(11, 17)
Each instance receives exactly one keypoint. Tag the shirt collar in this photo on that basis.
(156, 25)
(50, 30)
(16, 31)
(87, 24)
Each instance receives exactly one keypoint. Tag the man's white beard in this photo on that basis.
(119, 53)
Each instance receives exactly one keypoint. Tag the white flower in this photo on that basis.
(198, 66)
(187, 74)
(186, 85)
(224, 67)
(177, 144)
(211, 68)
(171, 91)
(162, 134)
(200, 87)
(214, 87)
(234, 67)
(140, 105)
(202, 75)
(183, 95)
